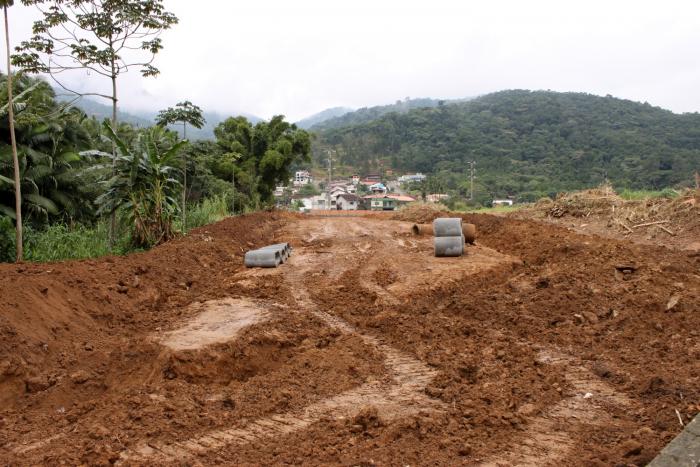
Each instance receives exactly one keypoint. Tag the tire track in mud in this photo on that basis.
(547, 440)
(402, 396)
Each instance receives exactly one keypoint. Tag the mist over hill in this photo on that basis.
(323, 116)
(525, 144)
(145, 119)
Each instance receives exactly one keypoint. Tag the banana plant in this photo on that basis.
(143, 187)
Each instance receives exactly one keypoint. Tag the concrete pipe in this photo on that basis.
(449, 246)
(284, 249)
(447, 227)
(422, 229)
(469, 232)
(263, 258)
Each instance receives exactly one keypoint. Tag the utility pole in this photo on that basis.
(330, 174)
(472, 173)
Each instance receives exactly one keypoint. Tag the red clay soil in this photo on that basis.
(541, 346)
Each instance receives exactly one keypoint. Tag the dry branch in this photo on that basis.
(650, 223)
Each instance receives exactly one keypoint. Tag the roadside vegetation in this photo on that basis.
(91, 188)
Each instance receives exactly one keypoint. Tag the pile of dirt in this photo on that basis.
(420, 213)
(672, 221)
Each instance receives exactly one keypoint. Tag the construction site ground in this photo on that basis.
(540, 346)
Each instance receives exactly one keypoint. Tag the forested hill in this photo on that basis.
(529, 143)
(368, 114)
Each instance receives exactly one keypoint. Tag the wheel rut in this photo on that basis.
(398, 394)
(548, 438)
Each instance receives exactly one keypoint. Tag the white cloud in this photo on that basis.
(297, 58)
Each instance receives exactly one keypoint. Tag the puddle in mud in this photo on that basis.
(218, 321)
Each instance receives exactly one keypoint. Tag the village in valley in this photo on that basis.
(371, 192)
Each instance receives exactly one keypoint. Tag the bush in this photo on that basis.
(7, 240)
(60, 242)
(209, 210)
(636, 195)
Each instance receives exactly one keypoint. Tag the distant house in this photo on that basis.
(387, 202)
(371, 179)
(502, 202)
(320, 202)
(338, 190)
(378, 188)
(417, 177)
(302, 177)
(355, 179)
(279, 191)
(347, 202)
(436, 197)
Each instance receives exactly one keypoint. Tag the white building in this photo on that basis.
(302, 177)
(347, 202)
(502, 202)
(417, 177)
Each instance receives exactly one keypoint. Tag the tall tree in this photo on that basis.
(265, 152)
(184, 112)
(107, 37)
(15, 160)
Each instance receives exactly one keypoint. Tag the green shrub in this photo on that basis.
(636, 195)
(208, 211)
(60, 242)
(7, 240)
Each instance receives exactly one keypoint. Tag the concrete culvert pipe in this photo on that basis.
(447, 227)
(422, 229)
(263, 258)
(449, 246)
(469, 232)
(284, 249)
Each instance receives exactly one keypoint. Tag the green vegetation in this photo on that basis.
(255, 157)
(209, 210)
(632, 195)
(526, 144)
(369, 114)
(184, 112)
(495, 209)
(141, 187)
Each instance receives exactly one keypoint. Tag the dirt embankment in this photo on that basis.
(541, 346)
(672, 222)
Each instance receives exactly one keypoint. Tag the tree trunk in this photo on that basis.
(15, 160)
(184, 182)
(113, 216)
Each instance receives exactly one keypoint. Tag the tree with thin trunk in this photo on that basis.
(105, 37)
(19, 248)
(184, 112)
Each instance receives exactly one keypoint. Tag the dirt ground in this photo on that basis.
(541, 346)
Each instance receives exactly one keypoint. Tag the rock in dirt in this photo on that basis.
(631, 447)
(80, 377)
(368, 417)
(465, 449)
(590, 317)
(527, 410)
(672, 304)
(36, 384)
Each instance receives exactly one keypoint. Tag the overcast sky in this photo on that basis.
(299, 57)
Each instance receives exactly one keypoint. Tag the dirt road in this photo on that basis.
(539, 347)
